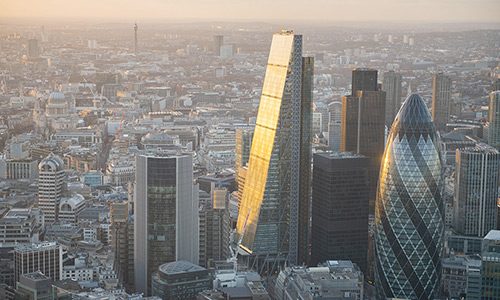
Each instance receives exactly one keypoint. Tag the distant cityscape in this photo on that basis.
(225, 160)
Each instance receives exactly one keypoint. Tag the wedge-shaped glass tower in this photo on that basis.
(409, 208)
(275, 197)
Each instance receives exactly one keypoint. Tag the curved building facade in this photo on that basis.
(409, 213)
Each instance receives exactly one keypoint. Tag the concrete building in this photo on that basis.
(215, 228)
(334, 125)
(476, 190)
(46, 257)
(461, 276)
(50, 186)
(180, 280)
(334, 279)
(441, 100)
(21, 226)
(34, 286)
(70, 208)
(166, 215)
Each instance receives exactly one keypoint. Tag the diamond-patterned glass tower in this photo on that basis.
(409, 207)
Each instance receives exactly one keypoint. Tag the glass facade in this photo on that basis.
(268, 220)
(409, 214)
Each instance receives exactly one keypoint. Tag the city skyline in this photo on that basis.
(298, 10)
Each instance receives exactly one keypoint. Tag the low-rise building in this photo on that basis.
(334, 279)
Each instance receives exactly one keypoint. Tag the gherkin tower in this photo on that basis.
(409, 211)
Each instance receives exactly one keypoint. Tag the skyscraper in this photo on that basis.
(50, 185)
(494, 119)
(166, 214)
(218, 42)
(305, 160)
(334, 125)
(392, 87)
(121, 230)
(270, 208)
(409, 214)
(364, 79)
(476, 190)
(363, 122)
(341, 191)
(441, 100)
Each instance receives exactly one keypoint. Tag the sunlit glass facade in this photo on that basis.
(268, 221)
(409, 208)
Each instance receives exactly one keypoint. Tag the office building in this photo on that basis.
(494, 119)
(409, 213)
(340, 194)
(122, 243)
(476, 190)
(34, 286)
(70, 208)
(441, 100)
(490, 266)
(215, 228)
(242, 149)
(166, 214)
(333, 279)
(392, 87)
(334, 125)
(46, 257)
(461, 276)
(50, 186)
(364, 79)
(21, 226)
(218, 42)
(363, 122)
(271, 208)
(180, 280)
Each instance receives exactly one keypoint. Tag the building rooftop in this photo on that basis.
(493, 235)
(178, 267)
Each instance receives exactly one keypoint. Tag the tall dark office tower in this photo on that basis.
(340, 194)
(409, 213)
(33, 49)
(494, 119)
(269, 216)
(166, 215)
(363, 124)
(441, 100)
(364, 79)
(135, 38)
(218, 42)
(476, 190)
(392, 87)
(305, 160)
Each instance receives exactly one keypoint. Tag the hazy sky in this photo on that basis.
(320, 10)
